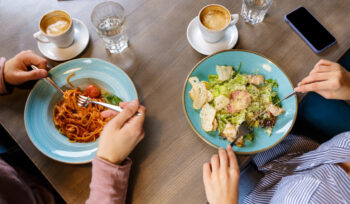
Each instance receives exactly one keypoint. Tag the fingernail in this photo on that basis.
(43, 73)
(228, 146)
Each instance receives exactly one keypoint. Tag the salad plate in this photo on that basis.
(38, 113)
(250, 63)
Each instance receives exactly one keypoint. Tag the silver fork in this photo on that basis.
(84, 101)
(50, 81)
(243, 130)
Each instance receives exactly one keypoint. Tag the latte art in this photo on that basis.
(57, 27)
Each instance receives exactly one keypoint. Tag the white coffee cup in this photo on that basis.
(56, 27)
(213, 20)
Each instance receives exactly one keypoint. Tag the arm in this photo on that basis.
(329, 79)
(111, 167)
(109, 182)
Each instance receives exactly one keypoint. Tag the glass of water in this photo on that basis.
(109, 21)
(253, 11)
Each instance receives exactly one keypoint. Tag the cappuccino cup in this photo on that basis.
(214, 19)
(56, 27)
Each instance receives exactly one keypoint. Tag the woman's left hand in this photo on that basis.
(16, 72)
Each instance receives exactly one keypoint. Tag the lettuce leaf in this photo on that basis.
(240, 79)
(214, 80)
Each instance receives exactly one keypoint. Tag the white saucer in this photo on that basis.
(81, 39)
(194, 37)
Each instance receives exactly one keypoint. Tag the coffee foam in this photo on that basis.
(214, 17)
(55, 23)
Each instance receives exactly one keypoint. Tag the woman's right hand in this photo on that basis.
(122, 133)
(329, 79)
(221, 177)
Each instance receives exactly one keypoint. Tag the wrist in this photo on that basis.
(3, 87)
(117, 161)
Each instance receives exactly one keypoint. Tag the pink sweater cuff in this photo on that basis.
(109, 182)
(2, 80)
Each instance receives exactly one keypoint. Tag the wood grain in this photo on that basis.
(168, 162)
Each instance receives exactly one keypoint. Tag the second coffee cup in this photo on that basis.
(214, 19)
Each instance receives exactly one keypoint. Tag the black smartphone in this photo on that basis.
(310, 29)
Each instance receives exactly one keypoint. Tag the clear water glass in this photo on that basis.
(109, 21)
(253, 11)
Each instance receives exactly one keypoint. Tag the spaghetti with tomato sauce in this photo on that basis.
(79, 124)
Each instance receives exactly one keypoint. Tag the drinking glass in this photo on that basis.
(253, 11)
(109, 21)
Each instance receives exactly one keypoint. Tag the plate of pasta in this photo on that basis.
(61, 129)
(232, 87)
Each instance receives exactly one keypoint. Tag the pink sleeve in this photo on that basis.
(2, 81)
(109, 182)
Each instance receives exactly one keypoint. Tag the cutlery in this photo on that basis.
(84, 101)
(245, 128)
(288, 96)
(50, 81)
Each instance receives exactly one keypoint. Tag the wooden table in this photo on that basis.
(168, 162)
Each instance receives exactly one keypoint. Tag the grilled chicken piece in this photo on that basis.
(239, 100)
(274, 110)
(256, 79)
(230, 132)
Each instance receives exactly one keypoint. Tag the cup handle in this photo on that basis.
(234, 19)
(40, 37)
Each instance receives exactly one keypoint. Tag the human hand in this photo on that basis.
(122, 133)
(329, 79)
(221, 177)
(16, 72)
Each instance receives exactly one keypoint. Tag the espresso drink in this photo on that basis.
(55, 24)
(215, 17)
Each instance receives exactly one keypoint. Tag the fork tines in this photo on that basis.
(83, 100)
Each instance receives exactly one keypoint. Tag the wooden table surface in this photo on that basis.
(168, 162)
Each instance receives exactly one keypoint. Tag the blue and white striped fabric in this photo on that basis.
(298, 170)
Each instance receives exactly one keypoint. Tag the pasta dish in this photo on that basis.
(79, 124)
(82, 124)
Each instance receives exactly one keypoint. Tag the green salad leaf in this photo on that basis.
(214, 80)
(250, 136)
(275, 99)
(112, 99)
(240, 79)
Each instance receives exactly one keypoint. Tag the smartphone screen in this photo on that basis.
(313, 32)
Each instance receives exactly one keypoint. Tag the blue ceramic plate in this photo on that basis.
(38, 110)
(252, 63)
